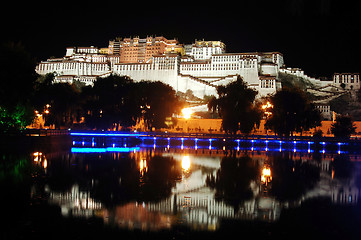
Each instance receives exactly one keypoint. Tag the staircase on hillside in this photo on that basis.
(198, 80)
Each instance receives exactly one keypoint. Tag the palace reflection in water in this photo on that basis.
(159, 187)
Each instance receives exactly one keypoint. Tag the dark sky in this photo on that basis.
(319, 36)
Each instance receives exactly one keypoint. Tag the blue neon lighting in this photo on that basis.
(85, 142)
(103, 150)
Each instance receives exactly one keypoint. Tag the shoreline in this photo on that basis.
(35, 143)
(215, 136)
(38, 135)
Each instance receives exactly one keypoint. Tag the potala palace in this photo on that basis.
(200, 66)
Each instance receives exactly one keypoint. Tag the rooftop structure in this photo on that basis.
(141, 50)
(347, 80)
(201, 50)
(200, 66)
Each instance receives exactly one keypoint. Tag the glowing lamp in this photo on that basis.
(266, 175)
(187, 113)
(186, 163)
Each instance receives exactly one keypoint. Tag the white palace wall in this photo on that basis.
(163, 68)
(199, 89)
(258, 70)
(201, 77)
(73, 68)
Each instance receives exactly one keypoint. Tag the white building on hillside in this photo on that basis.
(201, 50)
(203, 76)
(204, 66)
(350, 80)
(202, 71)
(70, 51)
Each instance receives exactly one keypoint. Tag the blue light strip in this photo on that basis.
(105, 134)
(103, 150)
(257, 144)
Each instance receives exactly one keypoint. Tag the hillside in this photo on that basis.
(341, 101)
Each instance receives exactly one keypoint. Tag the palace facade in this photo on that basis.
(200, 67)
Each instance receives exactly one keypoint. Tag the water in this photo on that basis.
(180, 187)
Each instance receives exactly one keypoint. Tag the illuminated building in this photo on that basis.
(201, 50)
(325, 110)
(70, 51)
(350, 80)
(200, 67)
(202, 76)
(141, 50)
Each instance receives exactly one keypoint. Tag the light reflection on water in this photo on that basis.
(157, 188)
(153, 190)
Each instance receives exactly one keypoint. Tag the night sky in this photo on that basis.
(319, 36)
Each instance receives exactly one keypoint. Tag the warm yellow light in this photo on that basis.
(37, 153)
(266, 172)
(265, 108)
(143, 168)
(267, 105)
(186, 163)
(40, 159)
(187, 113)
(266, 176)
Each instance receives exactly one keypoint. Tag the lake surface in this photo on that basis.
(182, 186)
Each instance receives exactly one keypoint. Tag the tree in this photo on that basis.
(157, 101)
(16, 117)
(16, 87)
(111, 103)
(292, 178)
(62, 98)
(116, 102)
(235, 105)
(292, 112)
(343, 127)
(232, 180)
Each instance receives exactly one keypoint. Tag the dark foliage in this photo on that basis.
(63, 100)
(343, 127)
(118, 101)
(232, 182)
(113, 102)
(16, 87)
(236, 107)
(292, 112)
(157, 101)
(292, 179)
